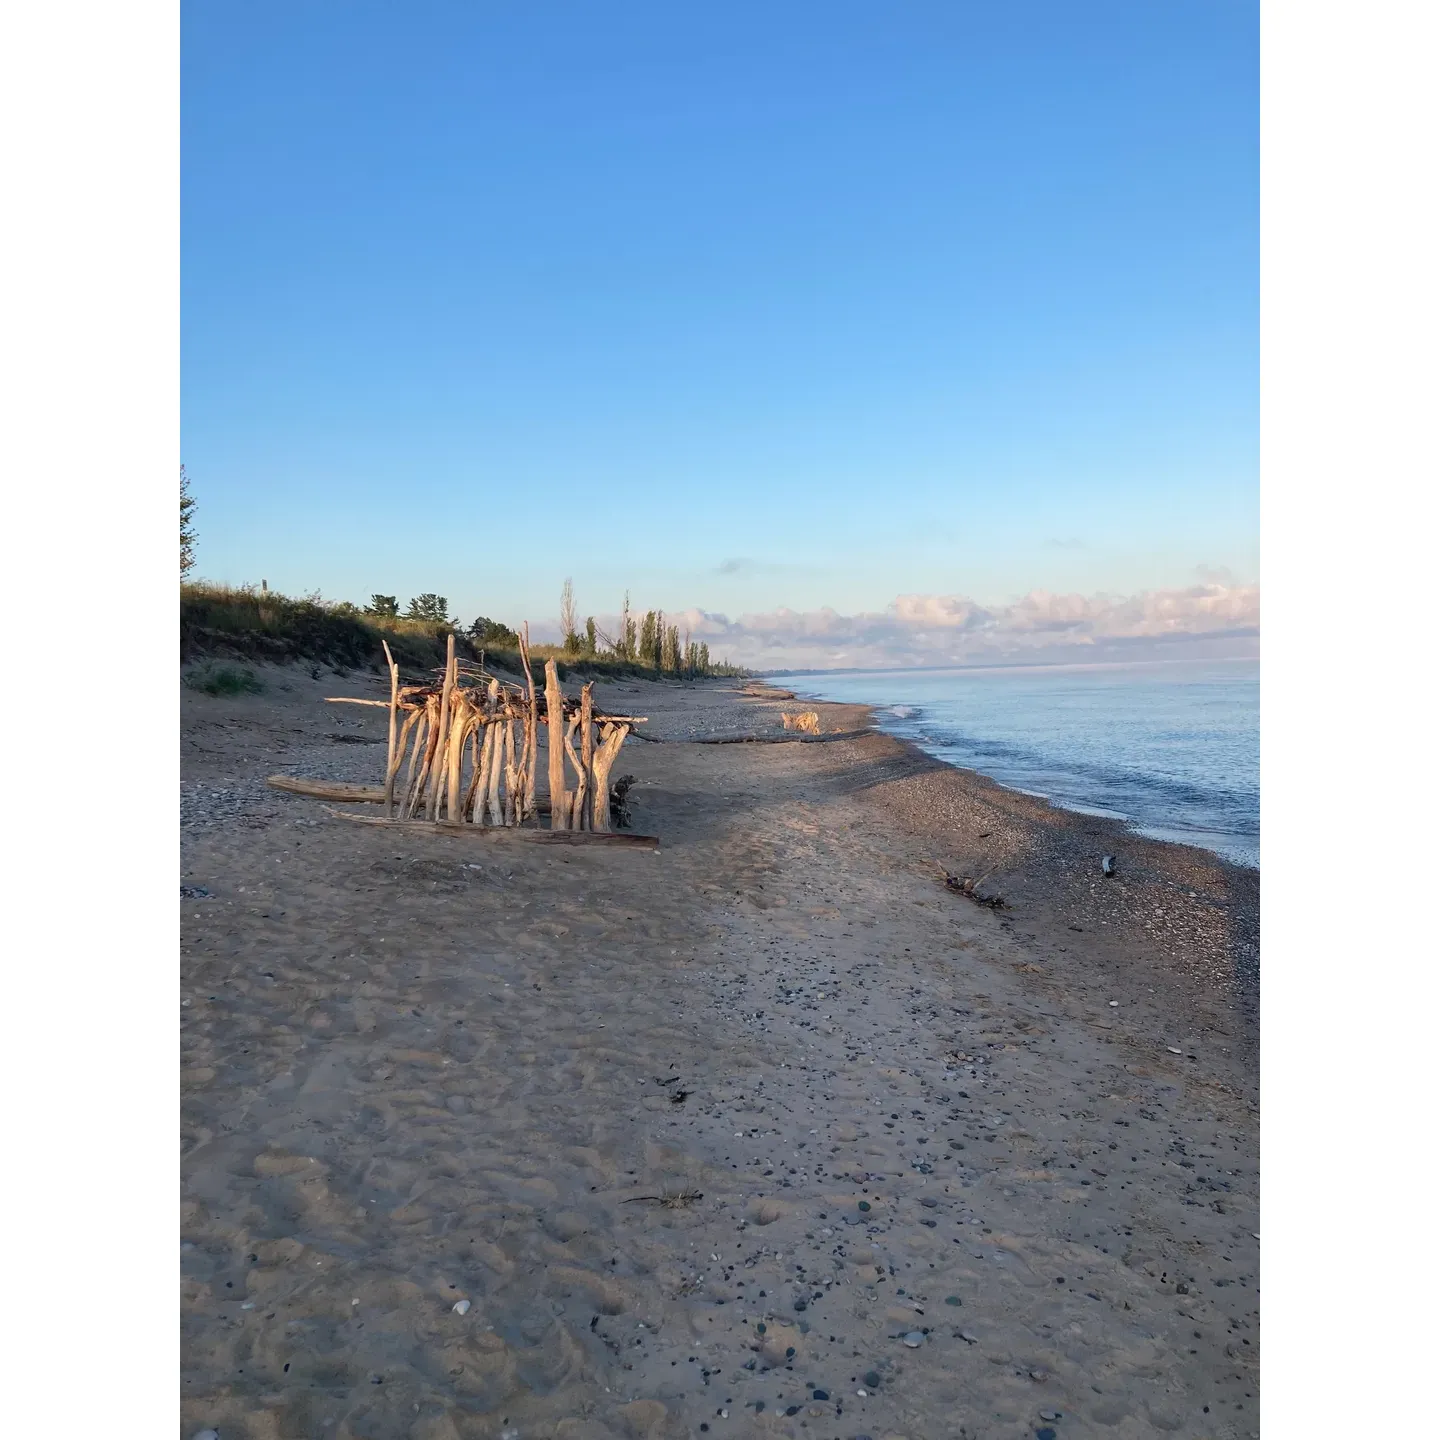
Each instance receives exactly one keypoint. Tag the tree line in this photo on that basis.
(641, 639)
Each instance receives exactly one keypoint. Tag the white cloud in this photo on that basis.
(1209, 618)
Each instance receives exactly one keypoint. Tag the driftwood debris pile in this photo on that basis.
(968, 887)
(466, 752)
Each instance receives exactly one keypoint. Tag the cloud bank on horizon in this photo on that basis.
(1210, 620)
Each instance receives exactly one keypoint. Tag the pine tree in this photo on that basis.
(385, 607)
(589, 634)
(429, 606)
(187, 525)
(704, 658)
(646, 646)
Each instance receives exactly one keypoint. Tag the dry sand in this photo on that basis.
(702, 1134)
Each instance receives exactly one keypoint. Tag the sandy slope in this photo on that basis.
(424, 1071)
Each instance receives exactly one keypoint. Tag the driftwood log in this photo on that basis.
(807, 722)
(969, 887)
(327, 789)
(498, 832)
(766, 739)
(367, 794)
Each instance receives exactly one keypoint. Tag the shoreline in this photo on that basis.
(1051, 856)
(1129, 826)
(767, 1130)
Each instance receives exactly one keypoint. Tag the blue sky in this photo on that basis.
(740, 306)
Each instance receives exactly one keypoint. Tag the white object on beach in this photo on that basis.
(1173, 1050)
(914, 1339)
(1114, 1004)
(207, 1435)
(461, 1307)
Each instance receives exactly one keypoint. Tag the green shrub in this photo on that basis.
(216, 679)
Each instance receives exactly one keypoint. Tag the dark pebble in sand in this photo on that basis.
(864, 1204)
(929, 1202)
(871, 1379)
(953, 1300)
(1045, 1432)
(821, 1395)
(802, 1304)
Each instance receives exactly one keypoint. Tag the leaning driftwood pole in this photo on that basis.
(433, 794)
(468, 809)
(512, 774)
(612, 737)
(461, 718)
(390, 760)
(532, 727)
(587, 753)
(494, 814)
(555, 717)
(433, 737)
(573, 798)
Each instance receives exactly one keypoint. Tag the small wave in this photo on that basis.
(905, 712)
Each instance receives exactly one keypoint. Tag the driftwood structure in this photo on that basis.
(464, 752)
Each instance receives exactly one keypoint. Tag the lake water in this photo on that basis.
(1174, 749)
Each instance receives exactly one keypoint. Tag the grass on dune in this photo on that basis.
(249, 624)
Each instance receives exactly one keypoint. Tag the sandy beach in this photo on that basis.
(765, 1133)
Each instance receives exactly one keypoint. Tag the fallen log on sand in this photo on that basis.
(785, 739)
(504, 832)
(369, 794)
(327, 789)
(763, 739)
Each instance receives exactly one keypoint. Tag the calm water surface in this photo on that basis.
(1173, 749)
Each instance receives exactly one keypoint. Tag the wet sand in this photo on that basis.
(703, 1135)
